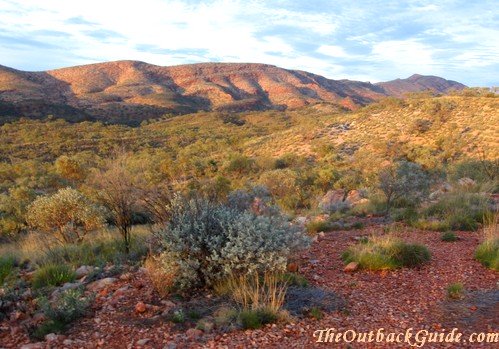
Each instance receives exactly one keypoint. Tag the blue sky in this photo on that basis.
(362, 40)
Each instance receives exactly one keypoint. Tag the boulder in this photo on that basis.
(193, 333)
(466, 182)
(84, 270)
(351, 267)
(142, 342)
(98, 285)
(332, 200)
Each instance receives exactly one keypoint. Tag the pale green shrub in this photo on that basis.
(212, 241)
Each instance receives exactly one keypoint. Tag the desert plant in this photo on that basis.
(449, 236)
(404, 180)
(386, 252)
(487, 252)
(7, 264)
(118, 190)
(455, 290)
(459, 210)
(212, 241)
(162, 271)
(68, 307)
(52, 275)
(315, 227)
(316, 313)
(67, 214)
(254, 319)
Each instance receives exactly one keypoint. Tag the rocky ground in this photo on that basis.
(128, 313)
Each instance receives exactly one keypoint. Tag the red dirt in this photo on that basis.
(394, 300)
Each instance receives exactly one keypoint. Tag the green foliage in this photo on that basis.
(294, 279)
(316, 313)
(315, 227)
(69, 306)
(254, 319)
(449, 236)
(455, 291)
(67, 214)
(210, 241)
(52, 275)
(386, 253)
(479, 170)
(460, 210)
(487, 253)
(404, 181)
(7, 264)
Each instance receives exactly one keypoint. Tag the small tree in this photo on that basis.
(404, 180)
(117, 189)
(67, 214)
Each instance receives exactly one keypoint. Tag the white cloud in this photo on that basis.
(403, 52)
(333, 51)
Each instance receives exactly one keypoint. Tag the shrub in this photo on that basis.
(405, 180)
(68, 307)
(487, 252)
(386, 252)
(455, 290)
(52, 275)
(162, 272)
(433, 225)
(254, 319)
(460, 210)
(449, 236)
(7, 265)
(316, 313)
(294, 279)
(212, 241)
(67, 214)
(315, 227)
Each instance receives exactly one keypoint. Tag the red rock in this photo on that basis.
(351, 267)
(140, 307)
(193, 333)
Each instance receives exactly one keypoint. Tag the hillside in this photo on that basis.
(131, 91)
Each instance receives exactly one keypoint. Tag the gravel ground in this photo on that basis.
(392, 300)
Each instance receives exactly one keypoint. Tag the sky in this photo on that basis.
(368, 40)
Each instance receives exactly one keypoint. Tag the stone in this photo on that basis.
(51, 337)
(38, 345)
(84, 270)
(193, 333)
(67, 342)
(70, 286)
(142, 342)
(98, 285)
(301, 220)
(332, 200)
(351, 267)
(466, 182)
(321, 235)
(140, 307)
(292, 267)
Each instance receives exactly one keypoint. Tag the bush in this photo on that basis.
(449, 236)
(433, 225)
(212, 241)
(68, 215)
(52, 275)
(162, 272)
(315, 227)
(455, 291)
(487, 252)
(68, 307)
(7, 265)
(386, 252)
(254, 319)
(460, 210)
(404, 181)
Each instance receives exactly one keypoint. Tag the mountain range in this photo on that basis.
(132, 91)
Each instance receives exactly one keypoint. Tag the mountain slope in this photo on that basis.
(131, 91)
(416, 83)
